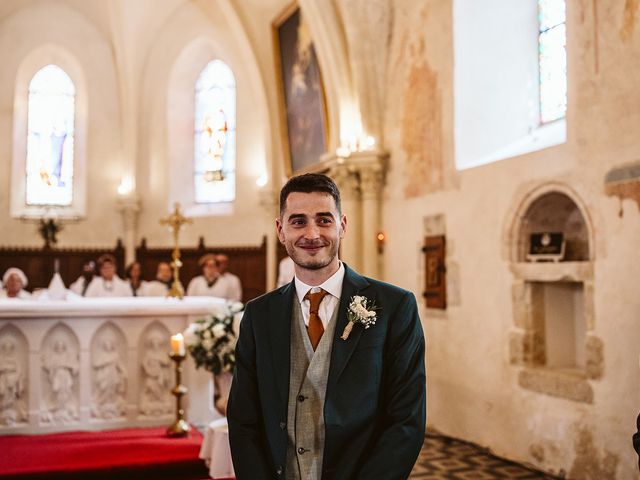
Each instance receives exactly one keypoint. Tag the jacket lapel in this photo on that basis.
(342, 349)
(280, 338)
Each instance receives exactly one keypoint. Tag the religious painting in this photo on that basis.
(303, 111)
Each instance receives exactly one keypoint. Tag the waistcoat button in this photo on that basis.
(301, 450)
(301, 398)
(279, 471)
(283, 425)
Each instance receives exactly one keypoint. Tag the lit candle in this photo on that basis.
(177, 344)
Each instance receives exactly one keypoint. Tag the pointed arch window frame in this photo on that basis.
(32, 63)
(215, 146)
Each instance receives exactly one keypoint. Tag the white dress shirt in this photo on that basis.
(332, 285)
(115, 288)
(22, 294)
(154, 288)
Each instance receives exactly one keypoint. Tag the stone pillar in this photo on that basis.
(129, 207)
(371, 182)
(347, 182)
(270, 205)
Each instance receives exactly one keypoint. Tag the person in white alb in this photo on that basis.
(79, 287)
(108, 284)
(231, 282)
(161, 285)
(208, 283)
(14, 281)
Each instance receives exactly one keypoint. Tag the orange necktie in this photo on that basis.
(315, 328)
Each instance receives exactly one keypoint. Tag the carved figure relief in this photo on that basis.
(155, 380)
(13, 377)
(60, 365)
(109, 373)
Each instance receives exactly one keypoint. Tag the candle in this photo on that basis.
(177, 344)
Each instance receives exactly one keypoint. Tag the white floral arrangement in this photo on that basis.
(211, 341)
(361, 310)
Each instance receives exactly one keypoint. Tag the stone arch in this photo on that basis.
(109, 373)
(14, 376)
(155, 373)
(530, 204)
(60, 376)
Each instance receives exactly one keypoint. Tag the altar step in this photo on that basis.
(138, 453)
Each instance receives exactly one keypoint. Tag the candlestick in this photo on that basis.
(179, 428)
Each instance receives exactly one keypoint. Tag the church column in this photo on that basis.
(347, 182)
(129, 207)
(270, 205)
(371, 169)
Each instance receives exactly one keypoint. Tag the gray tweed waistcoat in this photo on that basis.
(308, 375)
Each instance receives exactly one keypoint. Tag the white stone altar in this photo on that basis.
(95, 364)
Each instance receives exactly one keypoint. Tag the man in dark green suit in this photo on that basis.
(309, 399)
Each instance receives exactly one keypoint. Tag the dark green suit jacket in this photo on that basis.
(375, 404)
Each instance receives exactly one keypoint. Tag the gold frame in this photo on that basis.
(276, 24)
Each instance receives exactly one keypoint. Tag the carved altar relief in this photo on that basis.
(14, 368)
(108, 373)
(155, 371)
(60, 380)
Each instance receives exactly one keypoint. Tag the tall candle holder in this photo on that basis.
(179, 428)
(176, 222)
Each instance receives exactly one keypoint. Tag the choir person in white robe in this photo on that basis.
(233, 284)
(133, 275)
(79, 287)
(161, 285)
(208, 284)
(14, 281)
(108, 284)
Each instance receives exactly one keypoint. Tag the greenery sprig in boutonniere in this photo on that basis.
(361, 310)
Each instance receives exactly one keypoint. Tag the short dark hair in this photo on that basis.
(309, 183)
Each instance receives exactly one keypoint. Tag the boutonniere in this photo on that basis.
(361, 310)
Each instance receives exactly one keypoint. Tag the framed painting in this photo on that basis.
(302, 103)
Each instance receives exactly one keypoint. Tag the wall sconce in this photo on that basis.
(381, 239)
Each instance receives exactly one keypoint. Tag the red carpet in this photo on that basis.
(139, 453)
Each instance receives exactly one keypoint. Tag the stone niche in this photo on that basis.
(552, 339)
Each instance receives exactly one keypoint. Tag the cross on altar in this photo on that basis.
(176, 221)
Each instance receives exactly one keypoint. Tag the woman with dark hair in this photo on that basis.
(133, 274)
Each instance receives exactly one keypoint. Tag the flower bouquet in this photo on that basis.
(211, 341)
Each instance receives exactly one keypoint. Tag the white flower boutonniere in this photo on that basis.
(361, 310)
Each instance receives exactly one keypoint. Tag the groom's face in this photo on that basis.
(311, 229)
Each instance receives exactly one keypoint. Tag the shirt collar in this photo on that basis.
(332, 285)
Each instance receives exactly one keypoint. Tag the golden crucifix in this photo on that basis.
(176, 221)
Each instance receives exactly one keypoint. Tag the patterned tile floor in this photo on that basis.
(444, 458)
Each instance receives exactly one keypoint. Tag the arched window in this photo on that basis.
(552, 40)
(215, 135)
(50, 138)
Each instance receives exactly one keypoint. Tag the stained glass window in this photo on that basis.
(552, 59)
(215, 134)
(50, 131)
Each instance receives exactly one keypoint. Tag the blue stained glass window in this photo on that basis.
(552, 60)
(215, 134)
(50, 127)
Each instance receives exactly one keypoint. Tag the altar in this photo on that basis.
(96, 364)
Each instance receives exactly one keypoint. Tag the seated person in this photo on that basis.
(14, 281)
(161, 285)
(108, 284)
(286, 271)
(79, 287)
(230, 281)
(208, 283)
(133, 274)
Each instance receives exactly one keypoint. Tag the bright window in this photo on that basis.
(215, 135)
(50, 138)
(552, 59)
